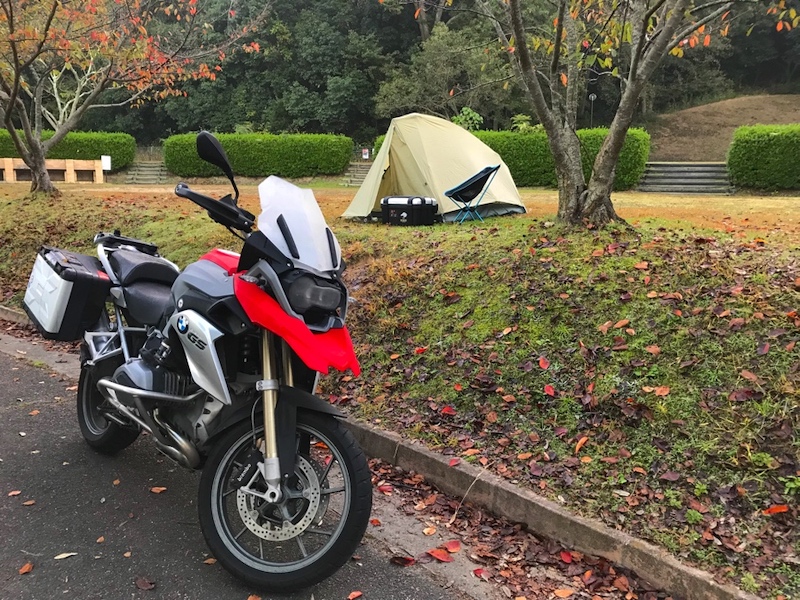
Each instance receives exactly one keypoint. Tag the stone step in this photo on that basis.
(686, 178)
(685, 189)
(693, 179)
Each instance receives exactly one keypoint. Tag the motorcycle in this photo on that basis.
(218, 363)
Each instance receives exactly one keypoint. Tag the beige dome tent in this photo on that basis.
(424, 156)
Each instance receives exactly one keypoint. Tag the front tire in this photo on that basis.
(102, 435)
(312, 532)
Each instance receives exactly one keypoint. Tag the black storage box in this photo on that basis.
(408, 210)
(66, 293)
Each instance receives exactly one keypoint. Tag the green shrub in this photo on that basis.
(765, 157)
(378, 143)
(262, 154)
(82, 145)
(531, 163)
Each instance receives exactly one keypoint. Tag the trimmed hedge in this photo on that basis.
(262, 154)
(765, 157)
(531, 164)
(82, 145)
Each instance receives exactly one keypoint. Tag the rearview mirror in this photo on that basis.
(211, 151)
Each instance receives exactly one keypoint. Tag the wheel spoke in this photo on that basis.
(318, 531)
(326, 471)
(238, 535)
(229, 492)
(332, 490)
(261, 548)
(302, 546)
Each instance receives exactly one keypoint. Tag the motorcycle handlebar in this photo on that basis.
(224, 214)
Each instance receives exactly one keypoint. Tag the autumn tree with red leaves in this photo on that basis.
(58, 56)
(622, 39)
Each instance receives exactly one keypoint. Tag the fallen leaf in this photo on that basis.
(13, 493)
(492, 417)
(549, 390)
(394, 356)
(29, 503)
(64, 555)
(34, 412)
(158, 490)
(210, 561)
(566, 556)
(776, 509)
(144, 584)
(622, 323)
(385, 489)
(750, 376)
(448, 410)
(654, 350)
(115, 482)
(26, 568)
(763, 349)
(662, 390)
(641, 265)
(454, 461)
(440, 555)
(354, 595)
(429, 530)
(605, 327)
(525, 455)
(420, 350)
(127, 554)
(564, 593)
(458, 387)
(253, 597)
(452, 546)
(543, 362)
(481, 573)
(100, 540)
(581, 443)
(375, 522)
(403, 561)
(670, 476)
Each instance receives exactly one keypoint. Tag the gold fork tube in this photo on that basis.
(270, 396)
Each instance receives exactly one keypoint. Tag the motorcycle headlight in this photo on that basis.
(310, 294)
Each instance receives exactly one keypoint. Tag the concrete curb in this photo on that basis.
(540, 515)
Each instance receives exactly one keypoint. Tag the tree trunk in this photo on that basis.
(40, 178)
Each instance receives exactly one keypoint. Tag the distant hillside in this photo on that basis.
(704, 133)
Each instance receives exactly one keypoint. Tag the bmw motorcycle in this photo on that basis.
(218, 363)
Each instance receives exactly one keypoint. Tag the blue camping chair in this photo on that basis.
(468, 195)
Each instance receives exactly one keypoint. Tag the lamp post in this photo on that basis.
(592, 98)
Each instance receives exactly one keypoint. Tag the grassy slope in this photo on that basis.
(679, 425)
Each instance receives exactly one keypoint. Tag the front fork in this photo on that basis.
(269, 386)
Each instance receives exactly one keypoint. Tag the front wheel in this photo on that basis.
(312, 531)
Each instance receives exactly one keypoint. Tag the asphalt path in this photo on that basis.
(123, 536)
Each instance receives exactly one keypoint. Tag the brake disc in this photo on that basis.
(283, 529)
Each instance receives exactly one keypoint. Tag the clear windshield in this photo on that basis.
(304, 222)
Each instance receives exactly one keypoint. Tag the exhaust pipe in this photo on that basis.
(177, 447)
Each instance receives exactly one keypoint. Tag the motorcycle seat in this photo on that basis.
(146, 302)
(131, 266)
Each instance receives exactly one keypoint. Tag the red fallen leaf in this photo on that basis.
(776, 509)
(26, 568)
(452, 546)
(481, 573)
(581, 443)
(647, 280)
(566, 556)
(440, 555)
(357, 594)
(654, 350)
(403, 561)
(549, 390)
(454, 461)
(750, 376)
(763, 349)
(420, 350)
(622, 323)
(790, 346)
(662, 390)
(598, 252)
(144, 584)
(458, 387)
(375, 522)
(385, 489)
(543, 362)
(448, 410)
(670, 476)
(641, 265)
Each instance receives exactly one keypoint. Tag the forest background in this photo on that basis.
(349, 66)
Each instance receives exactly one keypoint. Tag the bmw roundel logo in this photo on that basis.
(183, 324)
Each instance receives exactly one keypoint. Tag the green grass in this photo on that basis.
(690, 421)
